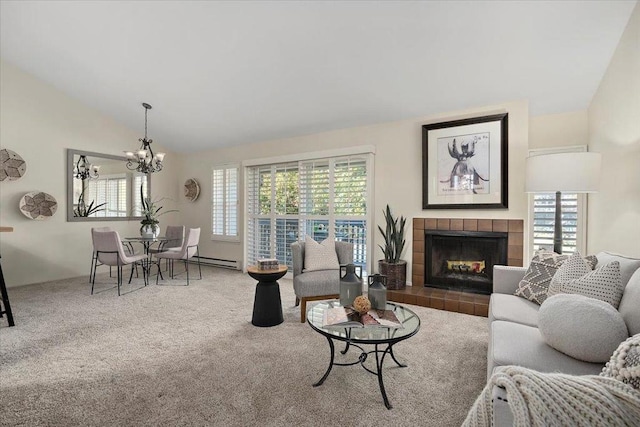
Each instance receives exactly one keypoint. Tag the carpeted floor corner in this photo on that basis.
(180, 356)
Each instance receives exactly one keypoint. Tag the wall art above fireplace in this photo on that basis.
(465, 163)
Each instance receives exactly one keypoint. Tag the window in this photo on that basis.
(111, 190)
(322, 198)
(543, 215)
(224, 211)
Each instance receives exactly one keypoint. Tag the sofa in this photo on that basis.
(514, 338)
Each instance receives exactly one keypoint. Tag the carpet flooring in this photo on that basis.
(178, 356)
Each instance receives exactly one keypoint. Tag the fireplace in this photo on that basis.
(463, 260)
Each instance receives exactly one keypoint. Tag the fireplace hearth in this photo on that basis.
(463, 260)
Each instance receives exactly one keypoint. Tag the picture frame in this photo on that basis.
(465, 163)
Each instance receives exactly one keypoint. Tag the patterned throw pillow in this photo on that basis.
(320, 256)
(535, 283)
(575, 277)
(544, 265)
(624, 365)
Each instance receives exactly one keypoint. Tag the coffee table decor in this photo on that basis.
(382, 338)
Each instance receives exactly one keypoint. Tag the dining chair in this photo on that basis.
(175, 237)
(110, 251)
(188, 250)
(94, 259)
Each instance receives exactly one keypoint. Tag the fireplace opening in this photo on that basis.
(463, 260)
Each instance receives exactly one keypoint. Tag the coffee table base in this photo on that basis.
(361, 359)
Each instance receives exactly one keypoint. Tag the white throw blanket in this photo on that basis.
(539, 399)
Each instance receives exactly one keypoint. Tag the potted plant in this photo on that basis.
(392, 266)
(151, 211)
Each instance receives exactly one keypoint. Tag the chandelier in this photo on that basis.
(83, 169)
(144, 160)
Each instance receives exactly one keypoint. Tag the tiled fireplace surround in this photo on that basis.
(453, 300)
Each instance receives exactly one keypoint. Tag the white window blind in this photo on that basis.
(543, 215)
(321, 198)
(224, 211)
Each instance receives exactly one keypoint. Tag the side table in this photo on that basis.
(267, 305)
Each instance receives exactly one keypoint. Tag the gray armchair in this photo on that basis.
(317, 285)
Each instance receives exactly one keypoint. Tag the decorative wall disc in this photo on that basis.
(38, 205)
(12, 166)
(191, 189)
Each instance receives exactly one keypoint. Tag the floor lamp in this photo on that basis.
(577, 172)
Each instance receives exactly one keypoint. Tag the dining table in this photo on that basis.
(147, 243)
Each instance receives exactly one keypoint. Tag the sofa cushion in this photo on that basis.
(513, 309)
(314, 283)
(320, 256)
(584, 328)
(514, 344)
(630, 303)
(627, 265)
(603, 283)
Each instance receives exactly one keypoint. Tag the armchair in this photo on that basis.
(317, 285)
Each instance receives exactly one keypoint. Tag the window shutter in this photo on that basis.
(321, 198)
(544, 218)
(224, 197)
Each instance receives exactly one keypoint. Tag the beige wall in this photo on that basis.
(398, 170)
(614, 131)
(557, 130)
(40, 123)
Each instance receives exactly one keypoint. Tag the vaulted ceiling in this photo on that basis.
(227, 73)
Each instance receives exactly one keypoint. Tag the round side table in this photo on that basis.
(267, 306)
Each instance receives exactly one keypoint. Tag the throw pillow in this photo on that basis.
(544, 265)
(535, 283)
(584, 328)
(624, 365)
(602, 283)
(320, 256)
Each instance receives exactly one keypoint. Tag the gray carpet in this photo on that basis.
(176, 355)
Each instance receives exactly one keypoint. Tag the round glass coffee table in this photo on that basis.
(381, 338)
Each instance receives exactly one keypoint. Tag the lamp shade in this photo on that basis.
(566, 172)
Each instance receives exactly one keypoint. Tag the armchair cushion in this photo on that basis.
(320, 256)
(313, 283)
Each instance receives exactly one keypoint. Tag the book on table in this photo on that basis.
(347, 317)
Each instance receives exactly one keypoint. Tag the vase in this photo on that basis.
(150, 231)
(377, 291)
(350, 284)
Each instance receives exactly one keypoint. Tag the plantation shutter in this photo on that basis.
(542, 213)
(544, 219)
(224, 196)
(321, 198)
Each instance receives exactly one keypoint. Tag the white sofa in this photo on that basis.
(514, 338)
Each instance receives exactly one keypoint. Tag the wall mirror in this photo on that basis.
(101, 188)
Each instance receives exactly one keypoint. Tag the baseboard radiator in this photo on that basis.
(217, 262)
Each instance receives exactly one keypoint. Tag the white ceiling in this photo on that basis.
(227, 73)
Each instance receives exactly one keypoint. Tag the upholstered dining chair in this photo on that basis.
(320, 284)
(94, 259)
(109, 251)
(175, 237)
(188, 250)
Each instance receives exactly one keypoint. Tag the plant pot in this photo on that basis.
(396, 273)
(150, 231)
